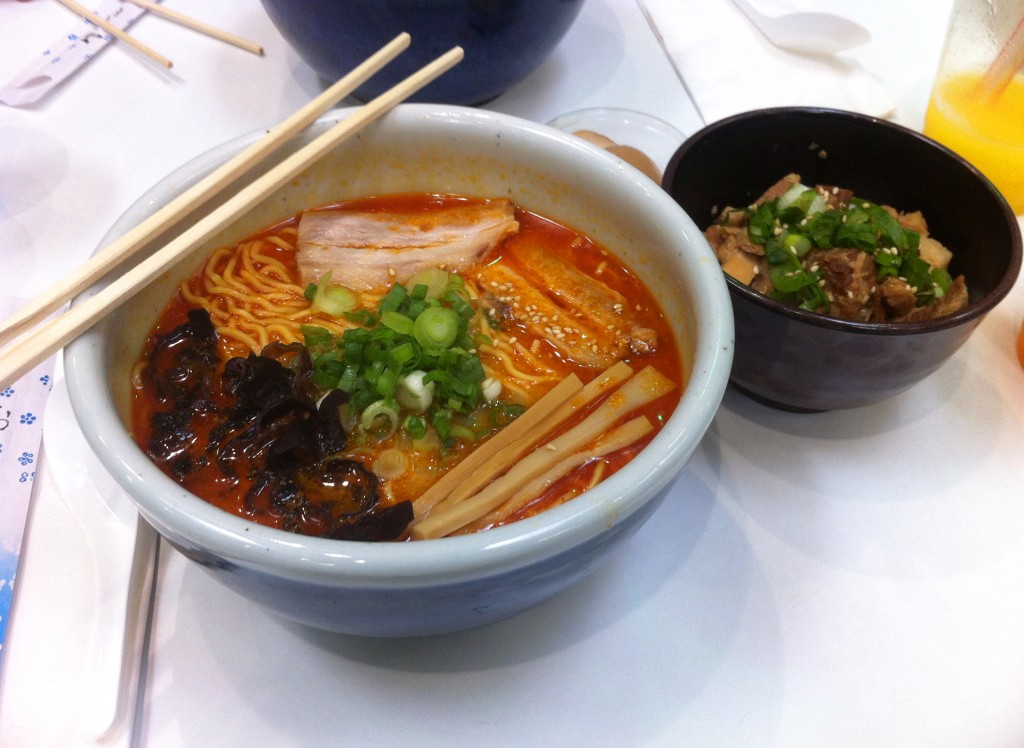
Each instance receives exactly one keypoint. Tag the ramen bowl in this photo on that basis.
(504, 42)
(448, 584)
(802, 361)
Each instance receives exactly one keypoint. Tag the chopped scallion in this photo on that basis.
(436, 328)
(413, 356)
(332, 299)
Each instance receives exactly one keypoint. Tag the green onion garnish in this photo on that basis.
(330, 298)
(790, 226)
(436, 328)
(408, 364)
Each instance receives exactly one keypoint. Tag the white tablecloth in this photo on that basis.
(778, 598)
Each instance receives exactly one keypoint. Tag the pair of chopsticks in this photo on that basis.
(171, 15)
(37, 343)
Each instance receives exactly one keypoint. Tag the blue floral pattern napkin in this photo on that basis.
(21, 433)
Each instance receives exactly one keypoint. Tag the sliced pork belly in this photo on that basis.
(578, 315)
(369, 249)
(587, 298)
(573, 288)
(518, 300)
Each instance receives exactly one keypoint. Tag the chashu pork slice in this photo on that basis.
(579, 316)
(519, 300)
(588, 299)
(370, 249)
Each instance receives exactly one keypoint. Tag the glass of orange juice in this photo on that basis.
(977, 104)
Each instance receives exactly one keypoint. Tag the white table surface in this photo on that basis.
(842, 579)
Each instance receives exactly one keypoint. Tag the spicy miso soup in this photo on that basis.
(404, 367)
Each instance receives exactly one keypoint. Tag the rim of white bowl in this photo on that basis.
(466, 557)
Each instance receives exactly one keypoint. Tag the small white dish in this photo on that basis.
(654, 137)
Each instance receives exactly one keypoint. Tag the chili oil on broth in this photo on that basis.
(254, 295)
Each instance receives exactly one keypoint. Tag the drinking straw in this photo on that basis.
(1005, 66)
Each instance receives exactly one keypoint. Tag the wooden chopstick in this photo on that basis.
(55, 334)
(61, 292)
(197, 25)
(113, 30)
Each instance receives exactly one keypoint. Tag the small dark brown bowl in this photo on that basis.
(804, 361)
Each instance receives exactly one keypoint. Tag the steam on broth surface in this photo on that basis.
(482, 364)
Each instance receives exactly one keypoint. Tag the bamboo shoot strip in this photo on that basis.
(646, 386)
(499, 462)
(620, 438)
(529, 421)
(26, 353)
(101, 263)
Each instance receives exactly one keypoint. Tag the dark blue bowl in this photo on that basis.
(504, 40)
(801, 361)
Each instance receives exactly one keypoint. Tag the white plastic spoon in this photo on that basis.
(121, 550)
(807, 33)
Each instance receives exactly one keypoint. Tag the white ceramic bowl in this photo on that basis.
(435, 586)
